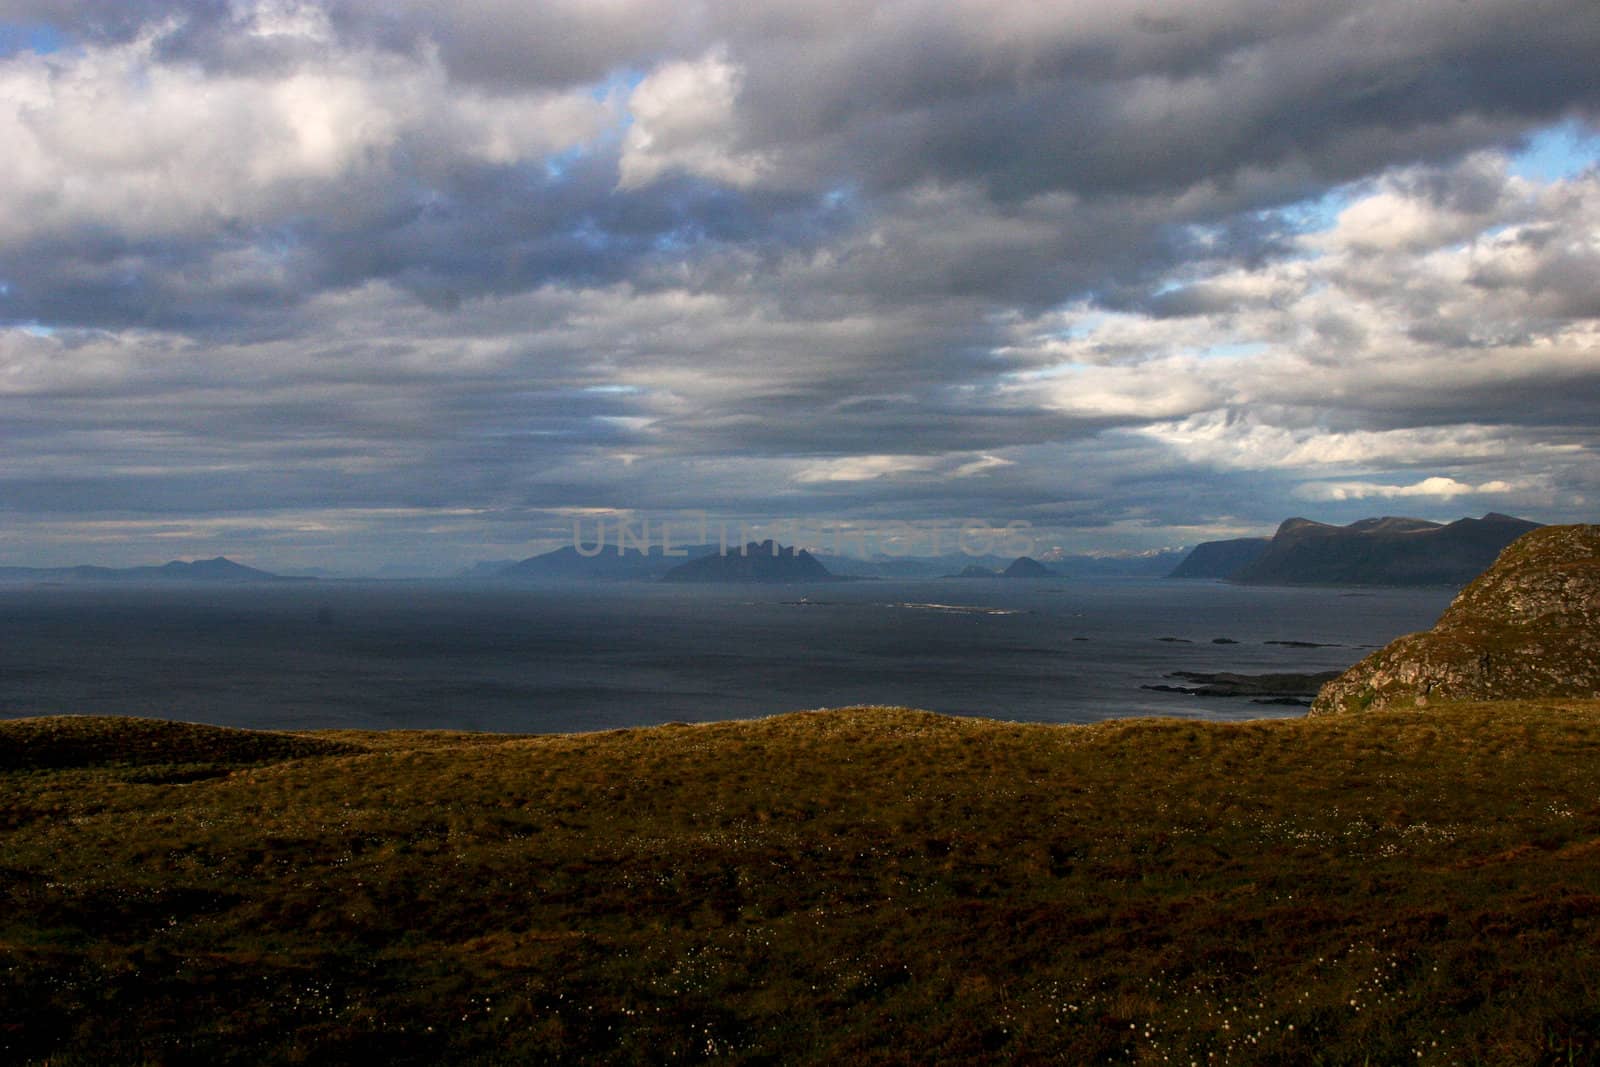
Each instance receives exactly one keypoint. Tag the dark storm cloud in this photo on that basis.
(87, 21)
(1029, 98)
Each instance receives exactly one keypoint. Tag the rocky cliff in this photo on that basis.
(1528, 627)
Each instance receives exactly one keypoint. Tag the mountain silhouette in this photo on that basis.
(763, 561)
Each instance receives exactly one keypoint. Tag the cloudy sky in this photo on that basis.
(348, 284)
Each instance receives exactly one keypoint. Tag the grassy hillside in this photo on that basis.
(870, 885)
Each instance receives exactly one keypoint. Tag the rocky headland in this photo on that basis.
(1527, 628)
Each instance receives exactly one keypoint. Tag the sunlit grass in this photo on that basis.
(868, 885)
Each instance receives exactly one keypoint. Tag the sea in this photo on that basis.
(564, 657)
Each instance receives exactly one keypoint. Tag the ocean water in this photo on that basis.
(567, 657)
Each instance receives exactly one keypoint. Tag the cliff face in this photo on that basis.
(1528, 627)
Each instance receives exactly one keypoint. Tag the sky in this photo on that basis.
(420, 283)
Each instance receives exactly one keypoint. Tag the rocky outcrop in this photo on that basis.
(1527, 628)
(1264, 688)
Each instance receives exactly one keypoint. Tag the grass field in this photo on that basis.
(864, 885)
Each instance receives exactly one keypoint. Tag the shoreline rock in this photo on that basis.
(1228, 684)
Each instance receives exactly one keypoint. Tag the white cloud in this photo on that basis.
(1400, 213)
(284, 18)
(862, 468)
(121, 137)
(875, 467)
(1435, 487)
(684, 119)
(1157, 389)
(1464, 308)
(982, 465)
(1252, 442)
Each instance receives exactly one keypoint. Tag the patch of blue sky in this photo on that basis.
(38, 37)
(1318, 213)
(591, 235)
(612, 389)
(1226, 350)
(31, 327)
(844, 197)
(681, 241)
(618, 82)
(556, 166)
(1229, 350)
(1042, 374)
(1082, 326)
(614, 87)
(1557, 152)
(622, 422)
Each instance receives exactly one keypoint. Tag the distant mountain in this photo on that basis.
(609, 564)
(1383, 551)
(1021, 567)
(1027, 567)
(220, 569)
(756, 562)
(1221, 559)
